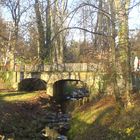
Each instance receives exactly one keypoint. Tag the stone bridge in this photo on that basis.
(84, 72)
(90, 74)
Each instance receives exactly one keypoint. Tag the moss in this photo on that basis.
(7, 77)
(3, 75)
(16, 96)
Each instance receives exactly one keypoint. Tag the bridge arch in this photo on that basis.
(65, 87)
(86, 77)
(32, 84)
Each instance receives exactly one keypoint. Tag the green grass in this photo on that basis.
(21, 115)
(17, 96)
(104, 121)
(84, 119)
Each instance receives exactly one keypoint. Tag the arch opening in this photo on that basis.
(32, 84)
(69, 90)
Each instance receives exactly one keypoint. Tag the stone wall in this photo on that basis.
(88, 73)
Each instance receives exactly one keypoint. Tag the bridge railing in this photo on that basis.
(68, 67)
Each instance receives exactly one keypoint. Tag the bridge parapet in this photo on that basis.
(68, 67)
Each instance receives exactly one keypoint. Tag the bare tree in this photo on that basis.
(59, 14)
(123, 44)
(17, 9)
(41, 33)
(48, 29)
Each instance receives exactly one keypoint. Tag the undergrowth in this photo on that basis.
(105, 121)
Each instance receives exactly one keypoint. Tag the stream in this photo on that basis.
(58, 122)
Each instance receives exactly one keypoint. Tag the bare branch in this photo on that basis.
(79, 28)
(137, 4)
(108, 15)
(5, 38)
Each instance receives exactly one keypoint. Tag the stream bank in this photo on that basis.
(58, 122)
(32, 116)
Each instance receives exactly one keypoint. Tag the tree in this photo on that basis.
(48, 29)
(104, 25)
(48, 24)
(4, 40)
(123, 44)
(17, 8)
(58, 17)
(41, 33)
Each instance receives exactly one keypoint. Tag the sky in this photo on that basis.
(134, 16)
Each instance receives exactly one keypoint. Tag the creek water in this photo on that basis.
(58, 122)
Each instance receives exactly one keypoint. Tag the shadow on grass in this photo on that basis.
(22, 120)
(13, 94)
(97, 130)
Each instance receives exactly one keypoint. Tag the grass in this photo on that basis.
(22, 115)
(17, 96)
(104, 121)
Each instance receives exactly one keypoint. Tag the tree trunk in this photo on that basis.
(59, 14)
(48, 30)
(123, 47)
(41, 36)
